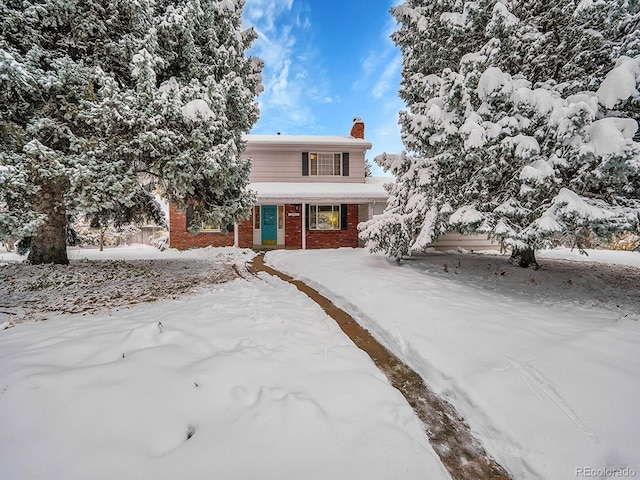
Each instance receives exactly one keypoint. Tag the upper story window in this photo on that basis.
(325, 163)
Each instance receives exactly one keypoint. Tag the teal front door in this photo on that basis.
(269, 224)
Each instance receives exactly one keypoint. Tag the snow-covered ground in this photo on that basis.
(242, 380)
(250, 379)
(543, 364)
(108, 280)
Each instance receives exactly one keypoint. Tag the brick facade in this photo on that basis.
(181, 239)
(318, 238)
(336, 238)
(245, 233)
(293, 226)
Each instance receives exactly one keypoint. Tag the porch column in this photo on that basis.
(236, 243)
(304, 226)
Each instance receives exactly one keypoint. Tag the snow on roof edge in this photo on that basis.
(271, 140)
(349, 192)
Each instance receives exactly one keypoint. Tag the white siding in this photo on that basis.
(378, 208)
(271, 164)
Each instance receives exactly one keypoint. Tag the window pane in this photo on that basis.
(312, 217)
(269, 215)
(280, 217)
(325, 163)
(328, 217)
(212, 226)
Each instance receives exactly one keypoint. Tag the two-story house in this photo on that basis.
(311, 193)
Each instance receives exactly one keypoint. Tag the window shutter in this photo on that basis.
(306, 216)
(305, 164)
(345, 164)
(189, 216)
(343, 216)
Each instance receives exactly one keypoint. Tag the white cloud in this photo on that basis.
(279, 82)
(289, 62)
(391, 25)
(380, 69)
(370, 63)
(265, 12)
(299, 95)
(387, 81)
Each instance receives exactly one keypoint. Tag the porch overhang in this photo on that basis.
(308, 192)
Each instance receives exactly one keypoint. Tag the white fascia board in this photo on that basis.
(296, 192)
(268, 200)
(308, 141)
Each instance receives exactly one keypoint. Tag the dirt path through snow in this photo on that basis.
(449, 435)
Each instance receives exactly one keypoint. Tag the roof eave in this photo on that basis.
(319, 199)
(282, 141)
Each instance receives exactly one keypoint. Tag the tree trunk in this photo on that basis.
(49, 244)
(525, 257)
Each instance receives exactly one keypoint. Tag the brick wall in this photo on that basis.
(357, 130)
(336, 238)
(181, 239)
(245, 233)
(293, 226)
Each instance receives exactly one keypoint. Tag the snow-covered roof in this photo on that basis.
(297, 140)
(372, 190)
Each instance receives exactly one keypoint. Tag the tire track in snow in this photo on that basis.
(542, 387)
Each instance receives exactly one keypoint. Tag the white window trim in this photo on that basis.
(317, 154)
(257, 217)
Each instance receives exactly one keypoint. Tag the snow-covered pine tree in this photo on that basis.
(496, 125)
(120, 218)
(101, 101)
(393, 232)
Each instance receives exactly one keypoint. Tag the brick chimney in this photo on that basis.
(357, 131)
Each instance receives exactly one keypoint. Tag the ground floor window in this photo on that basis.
(210, 227)
(324, 217)
(204, 226)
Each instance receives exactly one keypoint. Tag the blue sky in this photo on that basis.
(327, 61)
